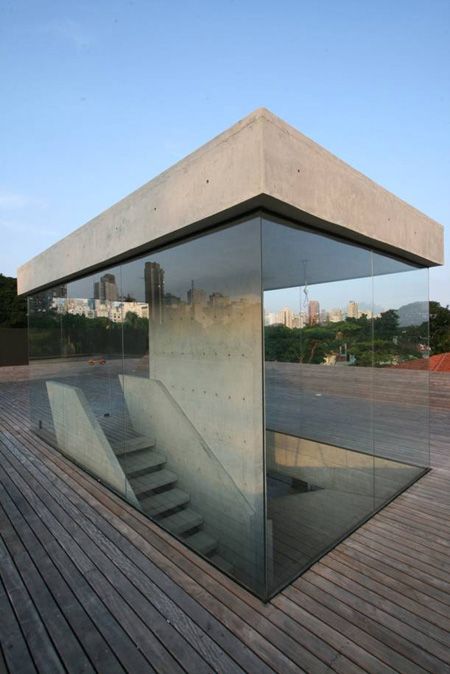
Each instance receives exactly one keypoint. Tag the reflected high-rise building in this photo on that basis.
(286, 317)
(47, 299)
(154, 290)
(171, 300)
(313, 312)
(197, 300)
(323, 316)
(352, 309)
(196, 296)
(270, 318)
(106, 290)
(218, 300)
(335, 315)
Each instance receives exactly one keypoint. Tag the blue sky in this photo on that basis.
(98, 97)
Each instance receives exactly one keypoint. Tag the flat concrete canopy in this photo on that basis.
(260, 162)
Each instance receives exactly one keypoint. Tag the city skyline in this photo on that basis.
(314, 314)
(375, 294)
(106, 293)
(106, 302)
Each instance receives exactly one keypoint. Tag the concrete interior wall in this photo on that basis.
(212, 368)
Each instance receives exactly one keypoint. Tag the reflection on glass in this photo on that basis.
(45, 353)
(401, 386)
(153, 382)
(198, 394)
(150, 375)
(336, 438)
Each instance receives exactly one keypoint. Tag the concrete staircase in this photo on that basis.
(159, 497)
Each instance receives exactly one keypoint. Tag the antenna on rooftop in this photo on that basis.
(305, 287)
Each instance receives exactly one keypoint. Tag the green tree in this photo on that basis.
(386, 327)
(13, 309)
(439, 328)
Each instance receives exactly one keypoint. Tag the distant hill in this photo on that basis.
(414, 313)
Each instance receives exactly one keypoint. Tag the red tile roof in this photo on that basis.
(437, 363)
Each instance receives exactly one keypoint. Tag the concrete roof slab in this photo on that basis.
(259, 162)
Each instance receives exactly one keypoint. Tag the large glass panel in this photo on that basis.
(346, 388)
(401, 386)
(151, 374)
(45, 353)
(318, 391)
(193, 390)
(78, 402)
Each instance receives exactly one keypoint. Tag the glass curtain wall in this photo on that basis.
(346, 389)
(149, 375)
(258, 447)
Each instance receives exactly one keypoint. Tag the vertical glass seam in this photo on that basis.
(263, 414)
(372, 380)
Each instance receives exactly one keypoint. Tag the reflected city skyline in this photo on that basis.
(313, 314)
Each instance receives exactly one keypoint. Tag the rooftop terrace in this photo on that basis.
(88, 584)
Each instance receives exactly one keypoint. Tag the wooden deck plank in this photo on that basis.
(71, 653)
(395, 590)
(415, 529)
(171, 613)
(120, 506)
(15, 654)
(394, 633)
(398, 569)
(350, 624)
(371, 605)
(38, 641)
(393, 604)
(82, 609)
(241, 629)
(103, 574)
(268, 630)
(161, 585)
(439, 550)
(331, 632)
(431, 571)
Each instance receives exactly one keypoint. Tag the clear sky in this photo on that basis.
(99, 96)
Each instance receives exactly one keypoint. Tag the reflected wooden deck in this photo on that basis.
(374, 410)
(90, 585)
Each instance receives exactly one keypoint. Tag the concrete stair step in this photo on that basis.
(182, 521)
(136, 464)
(202, 542)
(222, 563)
(158, 504)
(145, 484)
(124, 447)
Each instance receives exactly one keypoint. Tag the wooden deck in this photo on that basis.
(88, 584)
